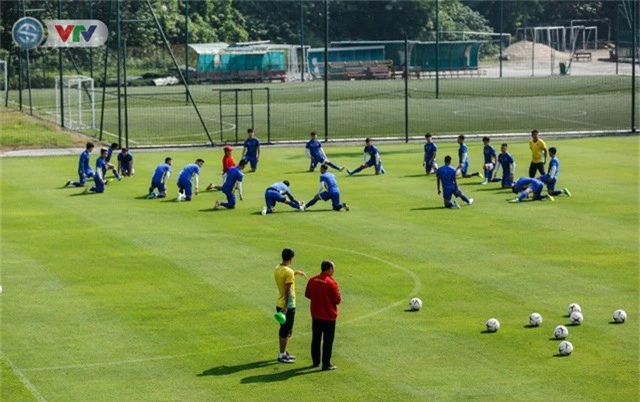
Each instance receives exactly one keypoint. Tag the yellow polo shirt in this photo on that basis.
(536, 150)
(283, 275)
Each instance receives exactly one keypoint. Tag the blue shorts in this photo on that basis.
(536, 189)
(464, 168)
(231, 197)
(449, 192)
(272, 196)
(253, 162)
(334, 197)
(315, 161)
(551, 183)
(159, 185)
(99, 185)
(506, 181)
(371, 162)
(82, 177)
(186, 186)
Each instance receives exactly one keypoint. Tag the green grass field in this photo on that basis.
(357, 109)
(114, 297)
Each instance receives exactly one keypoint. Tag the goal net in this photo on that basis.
(78, 102)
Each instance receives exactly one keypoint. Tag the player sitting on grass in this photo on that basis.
(552, 175)
(526, 186)
(370, 151)
(490, 160)
(314, 151)
(233, 180)
(279, 192)
(125, 163)
(159, 180)
(328, 191)
(508, 164)
(447, 176)
(463, 157)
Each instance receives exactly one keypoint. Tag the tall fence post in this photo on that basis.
(326, 70)
(406, 89)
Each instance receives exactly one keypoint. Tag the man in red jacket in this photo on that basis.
(324, 294)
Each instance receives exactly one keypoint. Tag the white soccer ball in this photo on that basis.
(565, 348)
(561, 332)
(576, 318)
(493, 325)
(415, 304)
(574, 307)
(619, 316)
(535, 319)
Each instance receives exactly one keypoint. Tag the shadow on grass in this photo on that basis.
(531, 326)
(555, 339)
(615, 323)
(426, 208)
(409, 310)
(418, 175)
(83, 193)
(280, 375)
(488, 332)
(226, 370)
(559, 355)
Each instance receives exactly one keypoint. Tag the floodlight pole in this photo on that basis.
(634, 56)
(501, 31)
(186, 48)
(60, 72)
(326, 70)
(302, 39)
(437, 49)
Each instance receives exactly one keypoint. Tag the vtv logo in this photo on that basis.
(76, 33)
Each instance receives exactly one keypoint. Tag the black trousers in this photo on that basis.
(536, 167)
(323, 333)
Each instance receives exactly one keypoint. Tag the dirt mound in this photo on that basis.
(522, 51)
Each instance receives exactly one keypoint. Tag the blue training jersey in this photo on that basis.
(281, 188)
(489, 152)
(101, 166)
(372, 150)
(329, 181)
(463, 153)
(124, 160)
(83, 165)
(188, 171)
(160, 174)
(429, 150)
(525, 182)
(252, 145)
(109, 153)
(233, 175)
(447, 175)
(315, 149)
(505, 160)
(554, 163)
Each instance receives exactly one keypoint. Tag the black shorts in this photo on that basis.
(287, 328)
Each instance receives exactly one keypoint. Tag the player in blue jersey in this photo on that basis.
(280, 192)
(251, 150)
(371, 152)
(490, 160)
(84, 169)
(508, 164)
(99, 175)
(447, 175)
(463, 157)
(189, 172)
(551, 176)
(328, 191)
(430, 152)
(232, 181)
(527, 185)
(159, 179)
(125, 163)
(110, 165)
(314, 151)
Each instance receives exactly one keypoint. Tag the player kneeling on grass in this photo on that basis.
(328, 191)
(233, 180)
(125, 163)
(525, 186)
(552, 175)
(159, 180)
(191, 171)
(447, 176)
(314, 151)
(490, 160)
(279, 192)
(371, 152)
(100, 172)
(508, 164)
(84, 168)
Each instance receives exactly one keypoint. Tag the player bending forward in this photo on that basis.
(328, 191)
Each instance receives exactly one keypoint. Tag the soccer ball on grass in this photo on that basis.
(573, 307)
(561, 332)
(576, 318)
(535, 319)
(565, 348)
(415, 304)
(619, 316)
(493, 325)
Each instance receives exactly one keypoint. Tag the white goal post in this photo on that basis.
(79, 102)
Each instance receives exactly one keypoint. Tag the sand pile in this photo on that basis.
(522, 51)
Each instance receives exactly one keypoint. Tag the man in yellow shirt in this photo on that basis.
(286, 302)
(538, 154)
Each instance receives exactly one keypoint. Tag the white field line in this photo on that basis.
(416, 287)
(23, 378)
